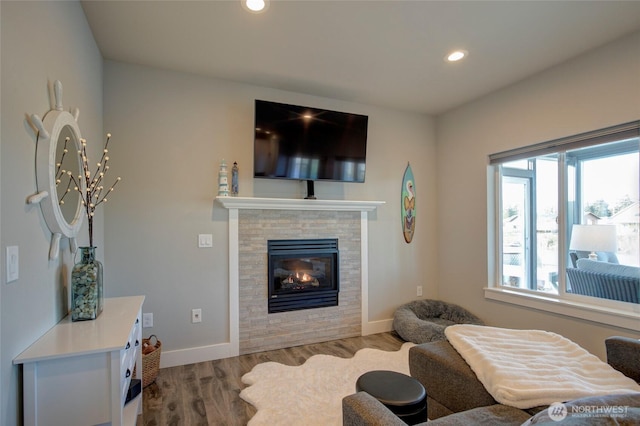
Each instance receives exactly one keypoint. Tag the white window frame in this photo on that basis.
(609, 312)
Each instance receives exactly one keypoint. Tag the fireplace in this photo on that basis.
(303, 274)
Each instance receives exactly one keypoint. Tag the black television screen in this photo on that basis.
(303, 143)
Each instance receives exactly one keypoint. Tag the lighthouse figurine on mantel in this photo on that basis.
(223, 182)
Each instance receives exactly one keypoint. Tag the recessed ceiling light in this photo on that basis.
(255, 6)
(456, 55)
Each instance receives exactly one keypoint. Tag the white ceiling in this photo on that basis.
(386, 53)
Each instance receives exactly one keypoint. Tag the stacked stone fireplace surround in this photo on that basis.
(261, 331)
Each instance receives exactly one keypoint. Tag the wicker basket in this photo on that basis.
(150, 360)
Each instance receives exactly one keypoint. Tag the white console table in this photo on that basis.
(78, 373)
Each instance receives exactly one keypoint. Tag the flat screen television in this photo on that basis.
(304, 143)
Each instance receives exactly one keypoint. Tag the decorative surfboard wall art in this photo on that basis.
(408, 204)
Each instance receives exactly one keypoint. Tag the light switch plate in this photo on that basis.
(13, 263)
(205, 240)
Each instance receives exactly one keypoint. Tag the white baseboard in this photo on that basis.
(199, 354)
(226, 350)
(374, 327)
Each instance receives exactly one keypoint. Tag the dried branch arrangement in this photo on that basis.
(93, 192)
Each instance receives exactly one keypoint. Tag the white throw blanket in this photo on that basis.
(528, 368)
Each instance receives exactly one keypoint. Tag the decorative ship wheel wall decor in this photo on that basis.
(57, 145)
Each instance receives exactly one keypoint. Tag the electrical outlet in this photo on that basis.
(147, 320)
(419, 291)
(196, 315)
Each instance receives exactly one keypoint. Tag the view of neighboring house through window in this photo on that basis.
(543, 190)
(610, 196)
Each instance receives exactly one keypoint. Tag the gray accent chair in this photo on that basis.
(455, 396)
(423, 321)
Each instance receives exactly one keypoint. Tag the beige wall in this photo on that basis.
(593, 91)
(170, 131)
(41, 42)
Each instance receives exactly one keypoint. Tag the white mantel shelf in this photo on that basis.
(253, 203)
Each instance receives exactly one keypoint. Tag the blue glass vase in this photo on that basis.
(87, 295)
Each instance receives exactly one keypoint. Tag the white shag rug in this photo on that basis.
(311, 394)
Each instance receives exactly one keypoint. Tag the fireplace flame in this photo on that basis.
(304, 277)
(300, 280)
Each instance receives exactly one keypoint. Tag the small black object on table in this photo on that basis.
(402, 394)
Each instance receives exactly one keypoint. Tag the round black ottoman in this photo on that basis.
(402, 394)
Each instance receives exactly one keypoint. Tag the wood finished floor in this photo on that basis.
(207, 393)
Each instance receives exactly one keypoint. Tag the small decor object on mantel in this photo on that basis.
(223, 182)
(408, 204)
(87, 289)
(234, 179)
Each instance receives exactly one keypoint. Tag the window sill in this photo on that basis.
(618, 317)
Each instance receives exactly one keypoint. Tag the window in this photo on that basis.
(540, 192)
(529, 224)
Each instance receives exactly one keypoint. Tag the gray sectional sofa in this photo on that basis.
(456, 397)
